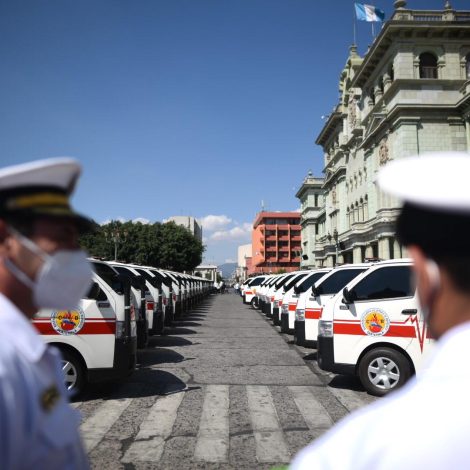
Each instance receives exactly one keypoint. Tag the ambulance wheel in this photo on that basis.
(382, 370)
(254, 302)
(74, 372)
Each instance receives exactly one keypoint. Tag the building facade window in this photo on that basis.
(427, 65)
(467, 66)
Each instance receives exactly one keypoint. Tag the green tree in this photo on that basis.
(167, 246)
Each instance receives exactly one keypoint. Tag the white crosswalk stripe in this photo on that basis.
(313, 412)
(96, 426)
(149, 443)
(269, 438)
(213, 437)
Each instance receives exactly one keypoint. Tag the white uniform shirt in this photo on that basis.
(38, 428)
(425, 425)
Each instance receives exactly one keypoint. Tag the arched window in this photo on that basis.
(427, 65)
(467, 66)
(391, 72)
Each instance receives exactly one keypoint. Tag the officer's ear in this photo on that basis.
(427, 274)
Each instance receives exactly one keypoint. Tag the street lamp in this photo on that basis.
(335, 236)
(116, 236)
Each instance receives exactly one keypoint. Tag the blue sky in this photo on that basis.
(177, 107)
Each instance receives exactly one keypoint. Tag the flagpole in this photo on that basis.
(354, 24)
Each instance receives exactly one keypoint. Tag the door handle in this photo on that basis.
(343, 307)
(104, 304)
(409, 311)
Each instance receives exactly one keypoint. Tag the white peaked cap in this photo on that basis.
(439, 181)
(57, 172)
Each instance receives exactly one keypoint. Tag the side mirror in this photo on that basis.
(349, 296)
(94, 292)
(296, 290)
(315, 291)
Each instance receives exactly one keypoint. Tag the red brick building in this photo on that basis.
(276, 242)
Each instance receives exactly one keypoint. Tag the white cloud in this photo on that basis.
(119, 219)
(214, 222)
(240, 233)
(142, 220)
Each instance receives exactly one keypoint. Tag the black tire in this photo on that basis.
(382, 370)
(254, 302)
(74, 371)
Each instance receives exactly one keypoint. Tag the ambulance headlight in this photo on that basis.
(276, 304)
(300, 314)
(285, 309)
(325, 328)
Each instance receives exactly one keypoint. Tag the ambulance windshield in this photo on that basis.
(335, 282)
(110, 276)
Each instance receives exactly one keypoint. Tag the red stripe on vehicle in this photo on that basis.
(292, 307)
(398, 331)
(313, 313)
(91, 328)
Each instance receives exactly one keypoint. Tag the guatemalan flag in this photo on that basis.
(368, 12)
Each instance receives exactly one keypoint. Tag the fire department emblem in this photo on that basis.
(375, 322)
(68, 322)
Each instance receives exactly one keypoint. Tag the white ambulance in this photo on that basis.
(289, 303)
(308, 315)
(287, 291)
(97, 339)
(144, 300)
(277, 295)
(156, 287)
(374, 329)
(266, 306)
(262, 290)
(270, 295)
(249, 293)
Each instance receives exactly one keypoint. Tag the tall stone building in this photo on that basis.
(310, 195)
(408, 95)
(188, 222)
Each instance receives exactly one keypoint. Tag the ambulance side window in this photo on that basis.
(385, 283)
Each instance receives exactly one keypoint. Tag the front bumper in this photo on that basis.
(276, 319)
(326, 358)
(285, 323)
(299, 332)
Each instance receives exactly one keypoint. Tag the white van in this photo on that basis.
(277, 294)
(289, 303)
(260, 293)
(143, 298)
(249, 292)
(97, 339)
(155, 285)
(286, 293)
(307, 316)
(266, 306)
(374, 329)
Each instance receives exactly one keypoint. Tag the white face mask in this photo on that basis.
(63, 279)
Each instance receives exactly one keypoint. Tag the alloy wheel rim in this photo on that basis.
(384, 373)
